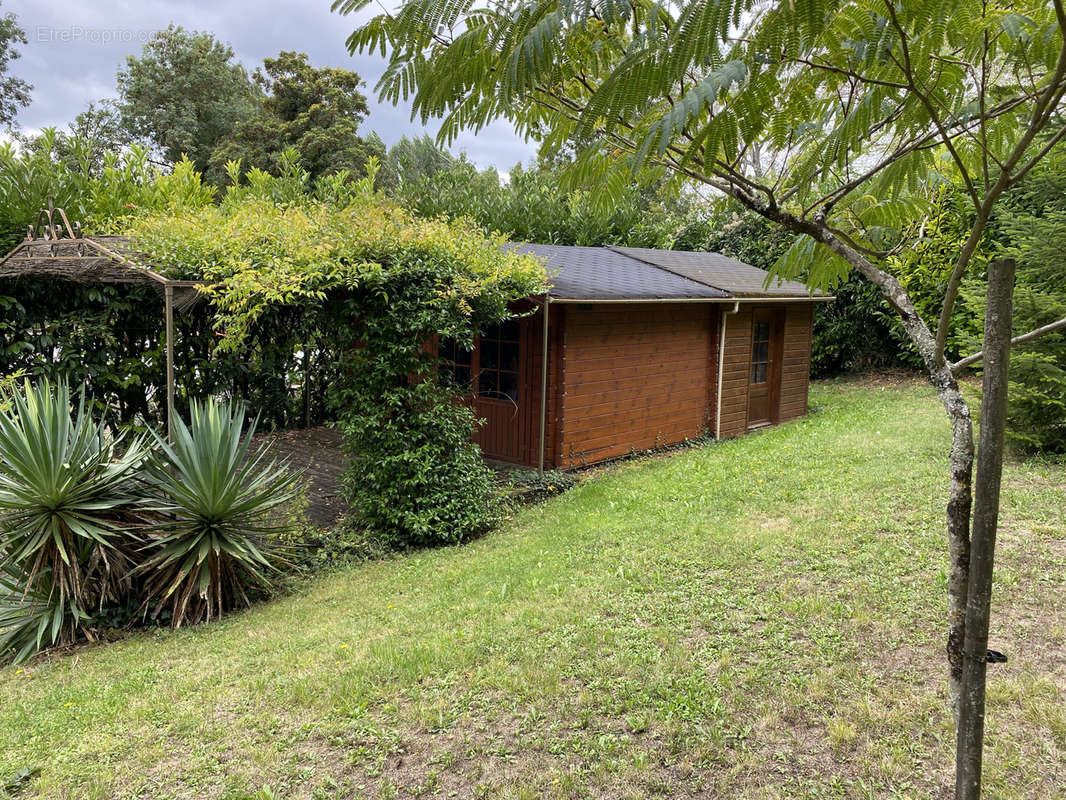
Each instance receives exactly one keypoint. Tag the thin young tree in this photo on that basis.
(827, 117)
(14, 92)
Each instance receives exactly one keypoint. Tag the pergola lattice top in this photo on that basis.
(53, 248)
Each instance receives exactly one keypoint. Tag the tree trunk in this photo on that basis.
(961, 457)
(970, 735)
(958, 530)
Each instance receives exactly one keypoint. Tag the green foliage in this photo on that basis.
(286, 257)
(1031, 227)
(410, 161)
(95, 528)
(184, 94)
(14, 92)
(101, 198)
(90, 137)
(536, 205)
(315, 111)
(397, 282)
(110, 337)
(222, 538)
(65, 495)
(415, 476)
(925, 265)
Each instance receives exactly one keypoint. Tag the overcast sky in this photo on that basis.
(75, 49)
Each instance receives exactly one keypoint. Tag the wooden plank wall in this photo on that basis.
(735, 369)
(796, 363)
(795, 366)
(634, 377)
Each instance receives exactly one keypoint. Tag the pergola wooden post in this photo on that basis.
(168, 315)
(54, 248)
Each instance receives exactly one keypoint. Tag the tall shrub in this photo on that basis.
(397, 282)
(416, 477)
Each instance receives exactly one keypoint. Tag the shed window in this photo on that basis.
(498, 362)
(455, 365)
(760, 351)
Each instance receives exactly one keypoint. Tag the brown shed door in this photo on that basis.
(764, 389)
(499, 388)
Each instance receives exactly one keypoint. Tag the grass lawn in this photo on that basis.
(757, 618)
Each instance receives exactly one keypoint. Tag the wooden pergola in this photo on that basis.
(54, 248)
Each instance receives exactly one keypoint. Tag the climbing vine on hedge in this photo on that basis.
(397, 283)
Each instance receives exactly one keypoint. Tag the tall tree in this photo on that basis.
(184, 93)
(89, 138)
(411, 161)
(14, 92)
(824, 116)
(316, 110)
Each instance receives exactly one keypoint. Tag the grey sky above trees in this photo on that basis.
(76, 48)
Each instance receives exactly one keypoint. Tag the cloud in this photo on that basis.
(76, 49)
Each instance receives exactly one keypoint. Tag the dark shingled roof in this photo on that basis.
(642, 273)
(714, 269)
(600, 273)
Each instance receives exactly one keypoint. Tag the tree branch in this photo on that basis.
(1036, 333)
(1045, 104)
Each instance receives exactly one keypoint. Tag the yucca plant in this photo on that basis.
(29, 620)
(226, 503)
(68, 506)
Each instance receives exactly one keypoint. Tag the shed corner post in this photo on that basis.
(543, 385)
(721, 369)
(168, 301)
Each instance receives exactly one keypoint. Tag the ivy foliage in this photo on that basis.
(398, 282)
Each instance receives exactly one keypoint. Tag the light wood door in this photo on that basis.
(764, 373)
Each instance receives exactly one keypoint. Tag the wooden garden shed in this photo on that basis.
(644, 348)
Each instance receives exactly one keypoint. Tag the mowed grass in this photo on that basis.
(757, 618)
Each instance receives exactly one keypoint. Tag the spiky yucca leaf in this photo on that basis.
(224, 538)
(66, 492)
(29, 620)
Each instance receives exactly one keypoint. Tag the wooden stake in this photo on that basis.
(999, 314)
(168, 300)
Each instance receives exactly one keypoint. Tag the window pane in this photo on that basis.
(487, 385)
(490, 354)
(509, 330)
(762, 331)
(509, 356)
(509, 385)
(760, 373)
(491, 332)
(462, 377)
(762, 351)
